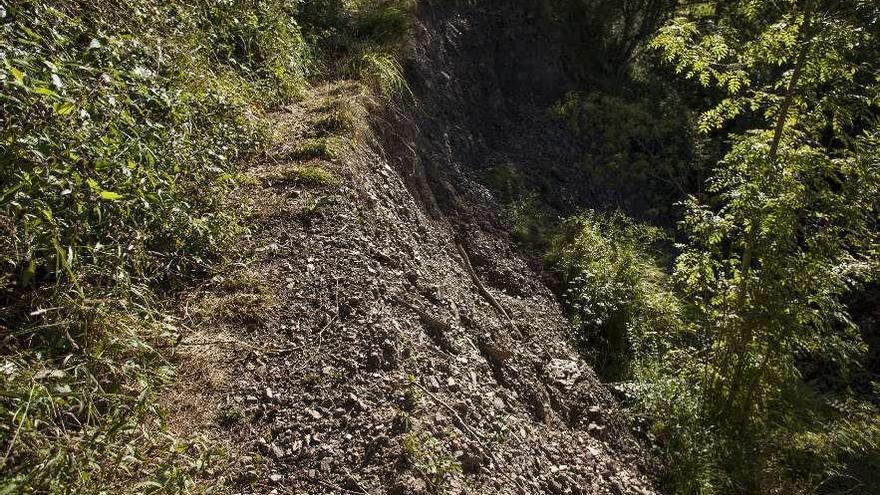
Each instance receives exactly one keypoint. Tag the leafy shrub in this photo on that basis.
(363, 39)
(117, 143)
(635, 326)
(622, 306)
(532, 222)
(427, 456)
(776, 239)
(808, 443)
(111, 154)
(261, 41)
(645, 153)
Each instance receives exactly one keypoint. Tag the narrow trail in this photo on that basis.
(382, 334)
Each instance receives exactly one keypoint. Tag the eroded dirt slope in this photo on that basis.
(382, 334)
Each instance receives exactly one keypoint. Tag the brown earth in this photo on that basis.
(382, 333)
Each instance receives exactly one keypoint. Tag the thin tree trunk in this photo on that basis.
(793, 84)
(781, 117)
(741, 343)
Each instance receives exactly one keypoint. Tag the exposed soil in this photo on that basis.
(383, 334)
(485, 76)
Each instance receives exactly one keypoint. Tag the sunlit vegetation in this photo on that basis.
(123, 125)
(721, 351)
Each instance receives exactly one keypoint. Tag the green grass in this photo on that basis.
(80, 412)
(326, 148)
(383, 70)
(335, 121)
(307, 175)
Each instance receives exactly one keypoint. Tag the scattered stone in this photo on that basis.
(374, 361)
(277, 451)
(390, 354)
(471, 464)
(433, 384)
(409, 485)
(353, 403)
(554, 486)
(324, 416)
(564, 372)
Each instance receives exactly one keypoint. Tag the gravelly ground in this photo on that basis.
(368, 358)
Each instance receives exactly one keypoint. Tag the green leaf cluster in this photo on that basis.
(624, 309)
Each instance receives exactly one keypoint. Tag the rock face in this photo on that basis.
(410, 349)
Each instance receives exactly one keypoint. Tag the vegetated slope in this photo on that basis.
(384, 335)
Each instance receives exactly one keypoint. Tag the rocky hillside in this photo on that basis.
(382, 333)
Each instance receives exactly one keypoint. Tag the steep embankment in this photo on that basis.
(383, 334)
(485, 77)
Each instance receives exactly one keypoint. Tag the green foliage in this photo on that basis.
(383, 71)
(261, 41)
(323, 148)
(625, 311)
(378, 27)
(788, 230)
(645, 152)
(531, 221)
(784, 230)
(310, 175)
(89, 423)
(794, 226)
(361, 39)
(747, 50)
(808, 237)
(807, 443)
(428, 457)
(380, 22)
(116, 145)
(120, 127)
(106, 142)
(668, 399)
(339, 119)
(601, 38)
